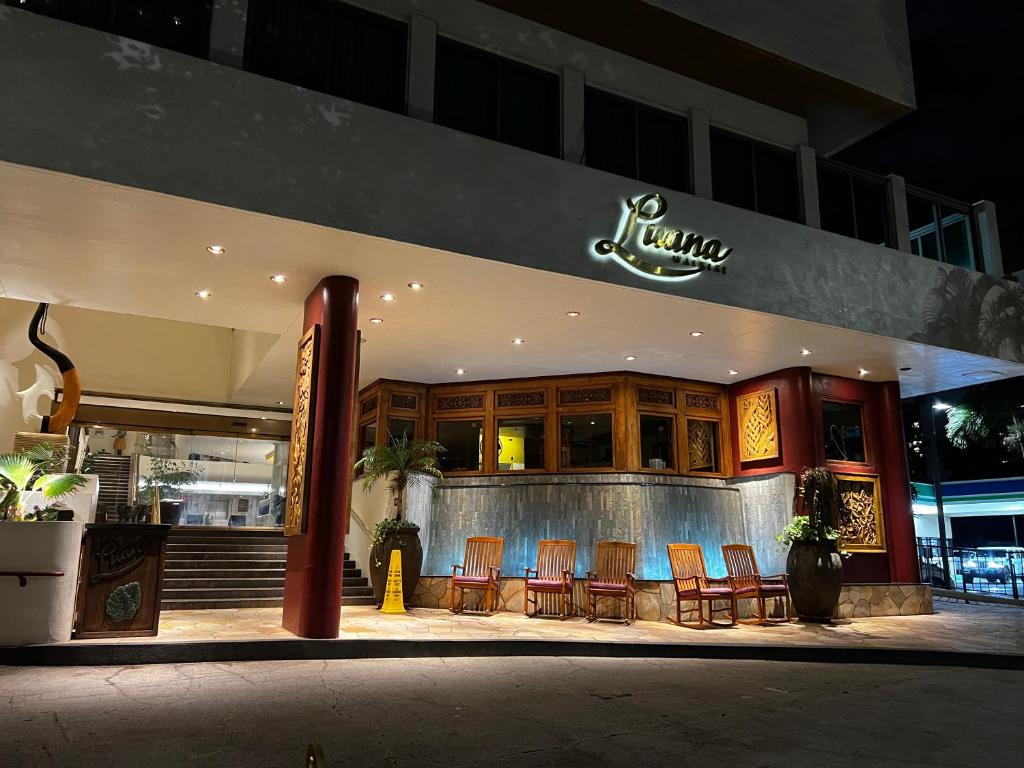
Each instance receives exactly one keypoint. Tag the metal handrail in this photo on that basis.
(21, 575)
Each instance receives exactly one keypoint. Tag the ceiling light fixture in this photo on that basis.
(376, 320)
(517, 341)
(387, 297)
(941, 406)
(216, 250)
(573, 313)
(460, 371)
(280, 402)
(805, 352)
(279, 278)
(696, 334)
(631, 357)
(415, 286)
(204, 294)
(733, 373)
(863, 372)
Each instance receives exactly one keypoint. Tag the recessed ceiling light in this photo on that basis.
(805, 352)
(279, 278)
(204, 294)
(387, 297)
(863, 371)
(280, 402)
(460, 371)
(573, 313)
(518, 341)
(415, 286)
(631, 357)
(696, 334)
(216, 250)
(733, 373)
(254, 429)
(263, 418)
(376, 320)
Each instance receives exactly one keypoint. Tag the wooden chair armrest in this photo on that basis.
(529, 571)
(566, 573)
(631, 580)
(718, 579)
(494, 571)
(680, 583)
(591, 575)
(456, 567)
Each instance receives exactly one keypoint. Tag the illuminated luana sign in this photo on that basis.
(639, 234)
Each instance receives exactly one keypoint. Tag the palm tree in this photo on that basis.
(983, 414)
(30, 471)
(401, 462)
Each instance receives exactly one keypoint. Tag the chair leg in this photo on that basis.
(451, 598)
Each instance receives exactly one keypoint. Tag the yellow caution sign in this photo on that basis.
(393, 602)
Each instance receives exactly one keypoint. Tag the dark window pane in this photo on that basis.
(732, 170)
(181, 25)
(586, 440)
(367, 436)
(530, 109)
(329, 47)
(521, 443)
(835, 201)
(663, 149)
(487, 96)
(844, 432)
(657, 442)
(923, 236)
(399, 428)
(872, 210)
(609, 133)
(462, 442)
(777, 191)
(956, 238)
(702, 445)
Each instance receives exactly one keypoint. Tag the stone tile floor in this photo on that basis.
(953, 627)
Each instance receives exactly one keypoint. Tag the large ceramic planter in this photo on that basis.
(408, 542)
(815, 571)
(171, 511)
(43, 610)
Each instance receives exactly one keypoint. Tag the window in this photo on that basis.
(586, 440)
(181, 25)
(844, 432)
(462, 441)
(657, 442)
(928, 216)
(754, 176)
(399, 428)
(367, 436)
(521, 443)
(854, 204)
(636, 141)
(330, 47)
(486, 95)
(702, 443)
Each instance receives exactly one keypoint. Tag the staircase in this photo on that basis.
(237, 569)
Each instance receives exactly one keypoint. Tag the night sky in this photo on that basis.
(966, 138)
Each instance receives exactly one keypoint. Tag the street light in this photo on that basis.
(935, 468)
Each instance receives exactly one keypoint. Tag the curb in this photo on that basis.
(128, 654)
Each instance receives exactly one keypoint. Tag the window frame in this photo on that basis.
(853, 174)
(673, 418)
(719, 452)
(608, 410)
(864, 427)
(753, 143)
(526, 413)
(483, 444)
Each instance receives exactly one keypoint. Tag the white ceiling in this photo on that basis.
(95, 245)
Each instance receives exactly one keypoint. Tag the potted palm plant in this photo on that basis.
(400, 462)
(164, 485)
(814, 564)
(38, 540)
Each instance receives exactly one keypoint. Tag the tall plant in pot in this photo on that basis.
(168, 478)
(815, 564)
(400, 462)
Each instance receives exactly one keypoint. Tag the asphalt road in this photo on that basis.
(510, 712)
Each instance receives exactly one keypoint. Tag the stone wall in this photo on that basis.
(655, 600)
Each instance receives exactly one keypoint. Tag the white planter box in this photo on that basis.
(42, 611)
(82, 502)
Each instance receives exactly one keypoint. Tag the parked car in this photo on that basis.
(990, 563)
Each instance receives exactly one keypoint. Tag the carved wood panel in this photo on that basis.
(861, 525)
(459, 402)
(403, 401)
(519, 399)
(299, 455)
(649, 396)
(702, 401)
(368, 406)
(758, 426)
(585, 395)
(700, 441)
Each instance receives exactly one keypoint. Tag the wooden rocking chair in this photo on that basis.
(481, 570)
(614, 564)
(556, 564)
(691, 582)
(748, 584)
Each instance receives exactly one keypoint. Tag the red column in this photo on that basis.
(312, 591)
(896, 481)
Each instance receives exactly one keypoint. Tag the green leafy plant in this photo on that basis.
(819, 495)
(32, 471)
(168, 477)
(986, 414)
(400, 462)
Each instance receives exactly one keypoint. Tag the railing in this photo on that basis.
(979, 570)
(22, 576)
(942, 229)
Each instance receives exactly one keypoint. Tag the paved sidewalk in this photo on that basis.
(954, 627)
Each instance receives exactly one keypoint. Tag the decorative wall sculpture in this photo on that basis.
(57, 423)
(700, 440)
(702, 401)
(368, 406)
(861, 528)
(458, 402)
(649, 396)
(299, 455)
(589, 395)
(758, 426)
(519, 399)
(403, 401)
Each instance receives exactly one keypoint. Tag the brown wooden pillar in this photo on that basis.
(902, 542)
(312, 591)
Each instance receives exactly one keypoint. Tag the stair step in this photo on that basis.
(200, 593)
(191, 554)
(171, 582)
(188, 546)
(201, 572)
(228, 564)
(202, 604)
(357, 591)
(358, 600)
(355, 582)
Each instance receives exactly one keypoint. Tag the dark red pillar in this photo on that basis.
(312, 589)
(899, 515)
